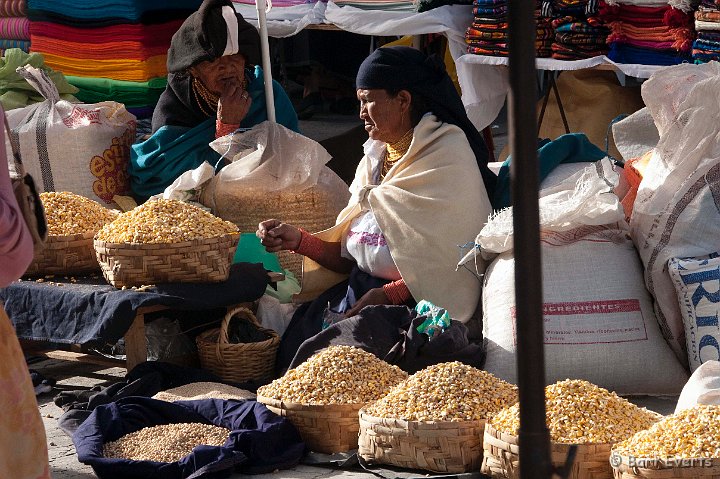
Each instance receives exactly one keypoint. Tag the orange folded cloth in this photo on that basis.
(128, 70)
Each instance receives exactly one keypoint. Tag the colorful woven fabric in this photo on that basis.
(150, 17)
(128, 70)
(13, 8)
(96, 51)
(708, 15)
(645, 16)
(23, 45)
(708, 35)
(15, 28)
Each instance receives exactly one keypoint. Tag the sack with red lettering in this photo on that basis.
(73, 147)
(599, 320)
(697, 283)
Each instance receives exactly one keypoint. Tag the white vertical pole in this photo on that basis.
(266, 66)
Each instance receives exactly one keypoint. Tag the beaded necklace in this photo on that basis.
(208, 97)
(394, 151)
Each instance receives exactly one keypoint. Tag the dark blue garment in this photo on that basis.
(623, 53)
(260, 441)
(569, 148)
(308, 319)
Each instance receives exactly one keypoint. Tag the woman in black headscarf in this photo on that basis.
(215, 86)
(420, 191)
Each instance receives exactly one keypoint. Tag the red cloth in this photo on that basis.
(149, 35)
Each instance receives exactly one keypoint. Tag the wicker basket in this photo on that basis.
(501, 457)
(324, 428)
(623, 468)
(438, 446)
(237, 362)
(197, 261)
(65, 255)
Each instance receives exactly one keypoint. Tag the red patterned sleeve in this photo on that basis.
(397, 292)
(222, 129)
(322, 252)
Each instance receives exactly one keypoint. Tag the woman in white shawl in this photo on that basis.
(420, 192)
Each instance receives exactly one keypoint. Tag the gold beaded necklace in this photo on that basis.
(209, 98)
(394, 151)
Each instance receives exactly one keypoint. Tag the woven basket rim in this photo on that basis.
(370, 418)
(72, 237)
(308, 407)
(210, 240)
(691, 459)
(489, 429)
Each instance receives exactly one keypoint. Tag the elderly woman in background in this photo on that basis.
(421, 190)
(23, 447)
(215, 86)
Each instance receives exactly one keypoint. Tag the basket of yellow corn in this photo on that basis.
(72, 222)
(166, 241)
(323, 395)
(434, 420)
(683, 445)
(577, 413)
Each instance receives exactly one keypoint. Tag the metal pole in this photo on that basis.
(534, 438)
(266, 65)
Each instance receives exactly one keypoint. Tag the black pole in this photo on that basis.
(534, 438)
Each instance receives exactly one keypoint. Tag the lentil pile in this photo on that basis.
(165, 443)
(578, 412)
(70, 214)
(336, 375)
(689, 434)
(446, 392)
(165, 221)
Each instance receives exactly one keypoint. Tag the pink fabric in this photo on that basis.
(15, 28)
(16, 248)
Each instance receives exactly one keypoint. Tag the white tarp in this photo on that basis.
(484, 80)
(285, 21)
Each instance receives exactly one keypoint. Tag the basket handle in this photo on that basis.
(240, 310)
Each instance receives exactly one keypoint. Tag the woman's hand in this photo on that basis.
(278, 236)
(234, 103)
(374, 296)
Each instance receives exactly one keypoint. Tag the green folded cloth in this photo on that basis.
(131, 94)
(15, 91)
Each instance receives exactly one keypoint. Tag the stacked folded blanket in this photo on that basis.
(706, 46)
(649, 32)
(488, 34)
(14, 25)
(579, 32)
(109, 49)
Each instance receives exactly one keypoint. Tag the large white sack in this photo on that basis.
(599, 320)
(73, 147)
(697, 282)
(703, 387)
(676, 213)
